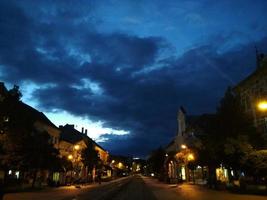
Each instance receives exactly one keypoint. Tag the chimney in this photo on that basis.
(85, 132)
(82, 129)
(70, 126)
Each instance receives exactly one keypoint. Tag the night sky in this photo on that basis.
(122, 68)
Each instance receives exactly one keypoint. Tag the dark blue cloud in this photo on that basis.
(146, 64)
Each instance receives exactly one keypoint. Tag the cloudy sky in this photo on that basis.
(122, 68)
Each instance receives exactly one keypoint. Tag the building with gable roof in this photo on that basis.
(71, 144)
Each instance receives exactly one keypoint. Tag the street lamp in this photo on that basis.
(190, 157)
(70, 157)
(262, 106)
(183, 146)
(77, 147)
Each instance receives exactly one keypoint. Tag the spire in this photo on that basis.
(181, 121)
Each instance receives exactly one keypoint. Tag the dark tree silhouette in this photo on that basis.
(228, 137)
(156, 161)
(25, 148)
(90, 156)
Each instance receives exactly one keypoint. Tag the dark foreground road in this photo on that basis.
(132, 188)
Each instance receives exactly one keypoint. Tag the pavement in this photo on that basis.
(193, 192)
(132, 188)
(65, 192)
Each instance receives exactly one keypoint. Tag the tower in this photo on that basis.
(179, 139)
(181, 121)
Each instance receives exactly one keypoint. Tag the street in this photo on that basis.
(131, 188)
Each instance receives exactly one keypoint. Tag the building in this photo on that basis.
(26, 114)
(178, 154)
(71, 144)
(253, 90)
(27, 118)
(70, 134)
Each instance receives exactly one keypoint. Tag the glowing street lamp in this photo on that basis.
(262, 106)
(120, 165)
(70, 157)
(190, 157)
(183, 146)
(76, 147)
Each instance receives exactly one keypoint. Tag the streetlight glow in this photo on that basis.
(191, 157)
(70, 157)
(262, 105)
(183, 146)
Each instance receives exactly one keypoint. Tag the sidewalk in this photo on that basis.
(56, 193)
(164, 191)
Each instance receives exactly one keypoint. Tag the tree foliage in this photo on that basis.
(90, 156)
(256, 163)
(24, 147)
(156, 161)
(228, 137)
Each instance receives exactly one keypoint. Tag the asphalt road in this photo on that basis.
(132, 188)
(129, 188)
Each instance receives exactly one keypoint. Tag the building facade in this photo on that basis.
(71, 144)
(177, 153)
(252, 91)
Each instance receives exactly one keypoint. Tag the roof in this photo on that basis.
(30, 114)
(170, 144)
(257, 72)
(70, 134)
(182, 109)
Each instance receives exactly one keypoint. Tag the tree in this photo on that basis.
(227, 137)
(255, 164)
(156, 161)
(206, 144)
(66, 164)
(90, 156)
(30, 152)
(237, 132)
(7, 100)
(232, 120)
(25, 148)
(235, 152)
